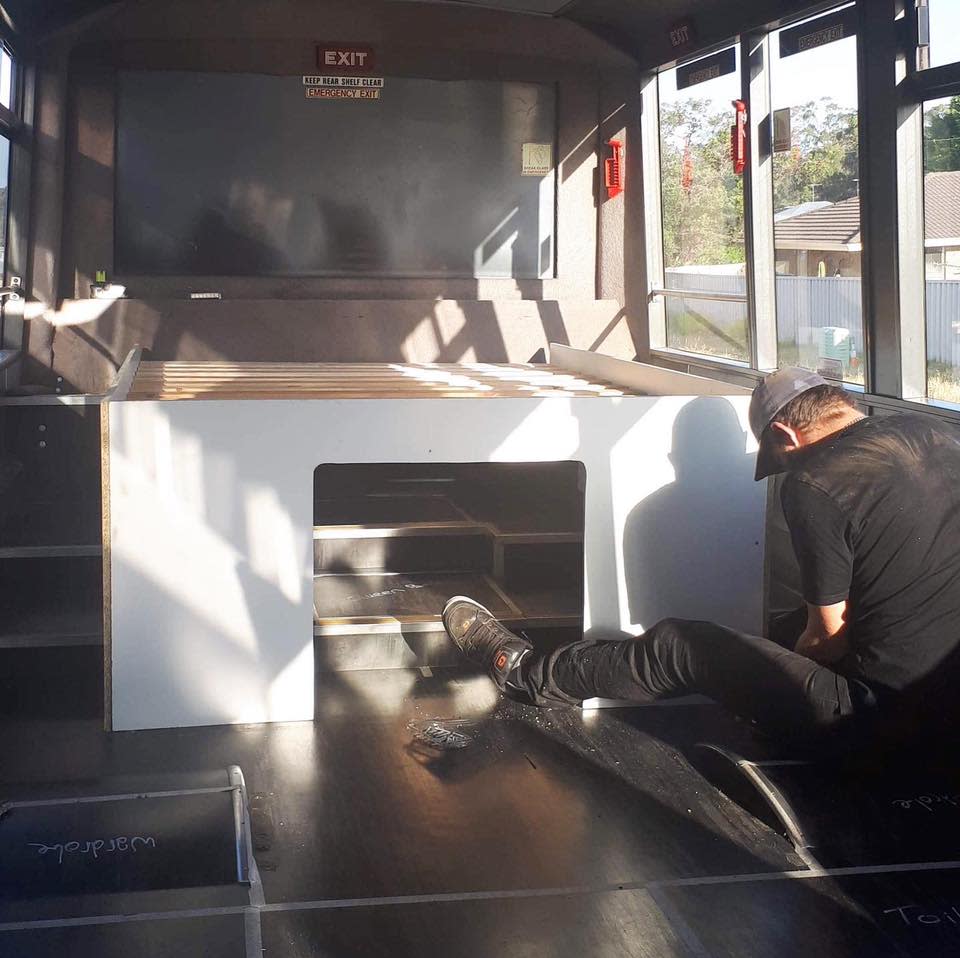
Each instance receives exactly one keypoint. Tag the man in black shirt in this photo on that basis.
(873, 507)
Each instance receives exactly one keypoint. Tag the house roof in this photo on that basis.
(941, 205)
(837, 225)
(799, 210)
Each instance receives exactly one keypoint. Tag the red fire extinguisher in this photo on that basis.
(738, 137)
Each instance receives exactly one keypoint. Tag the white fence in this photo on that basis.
(943, 321)
(805, 304)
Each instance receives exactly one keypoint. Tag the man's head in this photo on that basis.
(792, 408)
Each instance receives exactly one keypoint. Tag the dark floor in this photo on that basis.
(554, 832)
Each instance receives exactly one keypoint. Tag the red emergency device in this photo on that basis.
(738, 137)
(613, 169)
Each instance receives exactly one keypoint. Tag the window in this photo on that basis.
(816, 201)
(774, 269)
(11, 335)
(4, 192)
(941, 232)
(702, 205)
(6, 79)
(762, 268)
(944, 20)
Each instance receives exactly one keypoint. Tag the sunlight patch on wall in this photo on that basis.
(288, 694)
(274, 547)
(542, 436)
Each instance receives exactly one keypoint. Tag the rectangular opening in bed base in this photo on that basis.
(392, 542)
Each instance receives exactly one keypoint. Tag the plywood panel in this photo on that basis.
(211, 528)
(281, 203)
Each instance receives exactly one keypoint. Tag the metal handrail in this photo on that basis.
(715, 296)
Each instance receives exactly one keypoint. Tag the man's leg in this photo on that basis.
(785, 693)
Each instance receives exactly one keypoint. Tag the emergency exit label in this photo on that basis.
(340, 93)
(537, 159)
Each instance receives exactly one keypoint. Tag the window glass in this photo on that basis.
(817, 238)
(707, 326)
(944, 32)
(4, 192)
(6, 79)
(702, 198)
(941, 203)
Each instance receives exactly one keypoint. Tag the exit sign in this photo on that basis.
(682, 34)
(345, 58)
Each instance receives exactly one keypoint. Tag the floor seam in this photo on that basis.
(653, 886)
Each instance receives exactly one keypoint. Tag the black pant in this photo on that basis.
(786, 694)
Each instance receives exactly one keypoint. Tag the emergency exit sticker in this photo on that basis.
(340, 93)
(537, 159)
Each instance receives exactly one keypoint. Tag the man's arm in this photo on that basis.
(822, 542)
(825, 638)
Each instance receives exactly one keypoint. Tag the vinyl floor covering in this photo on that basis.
(552, 832)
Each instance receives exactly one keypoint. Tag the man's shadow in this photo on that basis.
(694, 548)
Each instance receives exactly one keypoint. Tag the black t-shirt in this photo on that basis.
(874, 515)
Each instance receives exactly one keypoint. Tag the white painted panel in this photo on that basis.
(211, 524)
(641, 377)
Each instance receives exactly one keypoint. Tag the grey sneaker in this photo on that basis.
(482, 639)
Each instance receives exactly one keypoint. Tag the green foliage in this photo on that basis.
(822, 163)
(702, 224)
(688, 331)
(943, 382)
(941, 137)
(703, 218)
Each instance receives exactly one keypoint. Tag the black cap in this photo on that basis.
(773, 393)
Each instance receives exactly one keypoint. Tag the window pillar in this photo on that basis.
(653, 209)
(877, 49)
(758, 203)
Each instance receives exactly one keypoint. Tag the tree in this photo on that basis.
(822, 162)
(941, 137)
(703, 199)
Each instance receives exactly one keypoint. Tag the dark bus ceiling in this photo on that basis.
(640, 27)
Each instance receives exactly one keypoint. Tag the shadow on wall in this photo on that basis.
(677, 539)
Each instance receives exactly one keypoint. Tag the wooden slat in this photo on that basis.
(344, 396)
(533, 381)
(477, 385)
(259, 380)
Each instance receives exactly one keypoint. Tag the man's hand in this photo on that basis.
(825, 638)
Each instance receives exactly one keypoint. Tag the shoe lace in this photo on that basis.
(490, 630)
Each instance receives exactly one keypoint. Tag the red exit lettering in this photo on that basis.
(346, 58)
